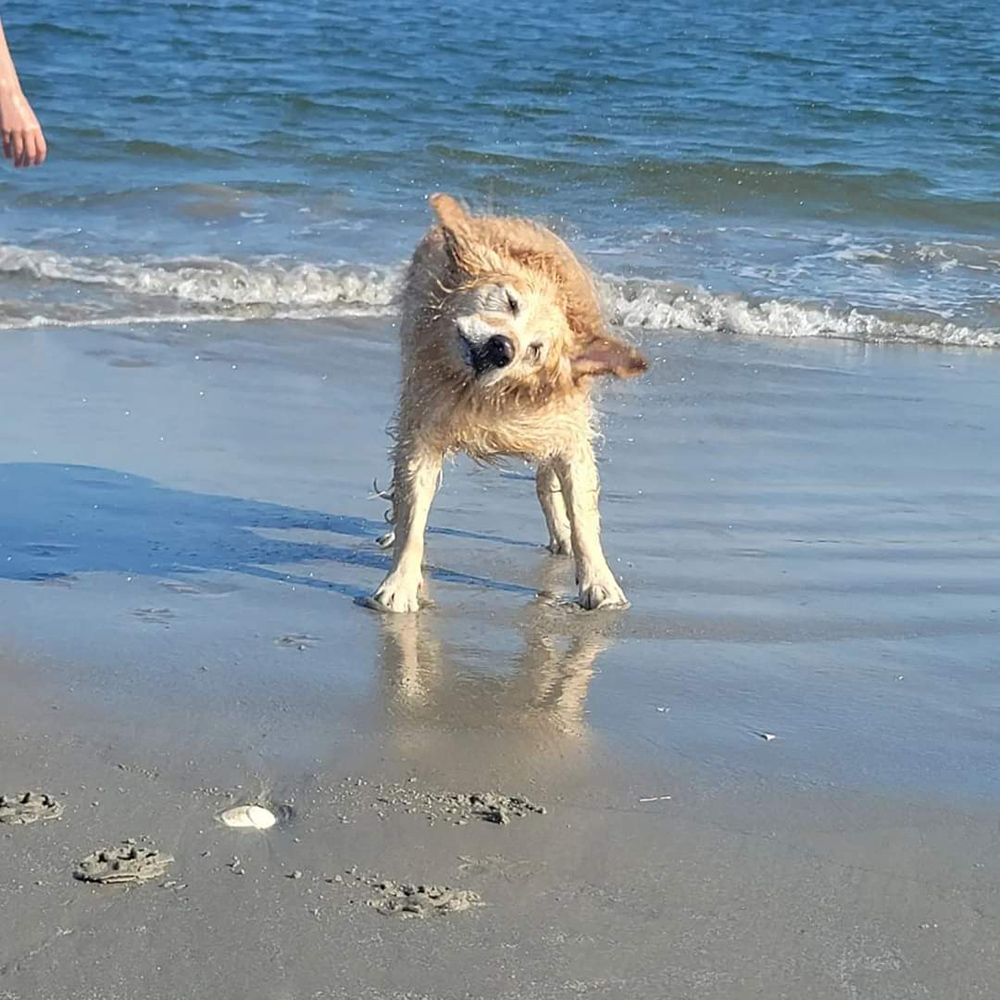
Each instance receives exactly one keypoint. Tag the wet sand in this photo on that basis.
(808, 535)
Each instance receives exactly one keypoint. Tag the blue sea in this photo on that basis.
(778, 169)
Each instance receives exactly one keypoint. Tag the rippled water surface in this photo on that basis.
(789, 170)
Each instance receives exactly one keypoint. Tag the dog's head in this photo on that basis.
(518, 307)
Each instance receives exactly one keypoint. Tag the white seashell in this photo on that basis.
(249, 816)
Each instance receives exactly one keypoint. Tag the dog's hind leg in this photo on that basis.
(550, 496)
(415, 481)
(577, 472)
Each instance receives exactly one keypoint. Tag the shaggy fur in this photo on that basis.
(501, 336)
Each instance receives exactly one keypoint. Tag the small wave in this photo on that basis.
(185, 191)
(155, 150)
(88, 291)
(217, 288)
(64, 320)
(924, 255)
(665, 305)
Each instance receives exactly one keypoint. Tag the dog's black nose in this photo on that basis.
(497, 352)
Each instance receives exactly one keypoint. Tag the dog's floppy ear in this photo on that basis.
(606, 355)
(458, 239)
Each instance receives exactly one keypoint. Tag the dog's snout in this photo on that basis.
(498, 351)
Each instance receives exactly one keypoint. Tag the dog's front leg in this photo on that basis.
(415, 480)
(550, 497)
(577, 472)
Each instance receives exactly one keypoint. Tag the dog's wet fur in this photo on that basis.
(502, 335)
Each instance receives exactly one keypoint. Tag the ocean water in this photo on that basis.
(782, 169)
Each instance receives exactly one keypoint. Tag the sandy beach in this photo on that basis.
(807, 533)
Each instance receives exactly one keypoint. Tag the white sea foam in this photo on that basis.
(663, 305)
(218, 288)
(111, 290)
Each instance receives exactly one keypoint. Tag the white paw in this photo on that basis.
(560, 546)
(386, 541)
(397, 593)
(602, 592)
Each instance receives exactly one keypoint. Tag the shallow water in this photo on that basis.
(238, 161)
(806, 531)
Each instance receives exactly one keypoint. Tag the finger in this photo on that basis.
(18, 148)
(8, 150)
(41, 148)
(28, 155)
(27, 150)
(31, 150)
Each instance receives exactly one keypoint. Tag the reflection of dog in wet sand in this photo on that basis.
(431, 687)
(501, 335)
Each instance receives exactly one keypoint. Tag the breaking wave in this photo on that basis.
(665, 305)
(45, 288)
(76, 291)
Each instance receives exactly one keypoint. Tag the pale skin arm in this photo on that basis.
(23, 141)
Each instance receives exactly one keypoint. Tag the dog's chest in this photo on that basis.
(518, 435)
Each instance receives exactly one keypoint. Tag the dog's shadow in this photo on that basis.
(57, 521)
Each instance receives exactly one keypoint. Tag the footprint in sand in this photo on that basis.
(154, 616)
(125, 863)
(28, 807)
(296, 641)
(400, 899)
(396, 899)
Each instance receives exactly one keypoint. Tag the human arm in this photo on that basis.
(23, 140)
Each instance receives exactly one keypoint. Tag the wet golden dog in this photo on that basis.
(501, 335)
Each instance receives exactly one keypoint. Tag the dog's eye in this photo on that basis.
(535, 350)
(512, 304)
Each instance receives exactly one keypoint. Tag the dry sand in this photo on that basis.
(808, 535)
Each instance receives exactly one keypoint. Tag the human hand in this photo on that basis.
(23, 141)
